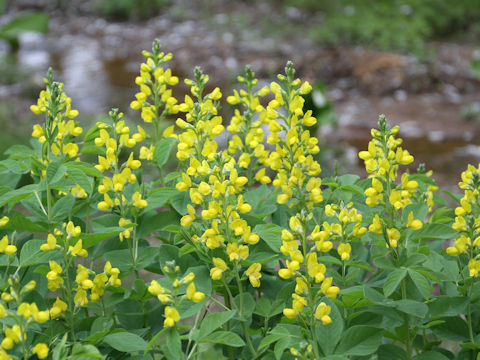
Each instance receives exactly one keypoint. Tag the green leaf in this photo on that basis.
(393, 280)
(225, 338)
(271, 234)
(430, 355)
(159, 197)
(21, 223)
(454, 328)
(31, 254)
(214, 321)
(162, 151)
(434, 231)
(154, 339)
(79, 177)
(421, 282)
(248, 305)
(179, 202)
(14, 196)
(86, 168)
(391, 352)
(173, 350)
(329, 335)
(448, 306)
(270, 339)
(360, 340)
(93, 239)
(55, 171)
(36, 21)
(63, 207)
(152, 222)
(411, 307)
(125, 342)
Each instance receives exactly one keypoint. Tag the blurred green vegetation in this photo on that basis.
(399, 25)
(129, 9)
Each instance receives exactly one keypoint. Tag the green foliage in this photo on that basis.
(129, 9)
(390, 25)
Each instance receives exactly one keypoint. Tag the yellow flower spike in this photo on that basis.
(322, 313)
(217, 271)
(171, 316)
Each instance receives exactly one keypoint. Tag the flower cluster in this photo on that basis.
(113, 138)
(155, 99)
(59, 130)
(293, 157)
(246, 127)
(303, 265)
(21, 317)
(175, 292)
(467, 221)
(213, 182)
(382, 161)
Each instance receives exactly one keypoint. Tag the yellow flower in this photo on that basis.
(322, 313)
(236, 252)
(217, 271)
(329, 290)
(414, 223)
(138, 202)
(193, 294)
(474, 267)
(171, 316)
(53, 276)
(344, 251)
(4, 221)
(58, 307)
(5, 248)
(254, 275)
(41, 350)
(78, 250)
(393, 237)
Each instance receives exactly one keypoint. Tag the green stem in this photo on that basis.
(228, 302)
(407, 323)
(244, 325)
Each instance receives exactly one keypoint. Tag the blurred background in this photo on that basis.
(414, 60)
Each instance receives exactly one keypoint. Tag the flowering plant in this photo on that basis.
(243, 251)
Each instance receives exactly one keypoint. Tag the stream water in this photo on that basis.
(98, 62)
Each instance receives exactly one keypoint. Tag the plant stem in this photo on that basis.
(244, 325)
(407, 323)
